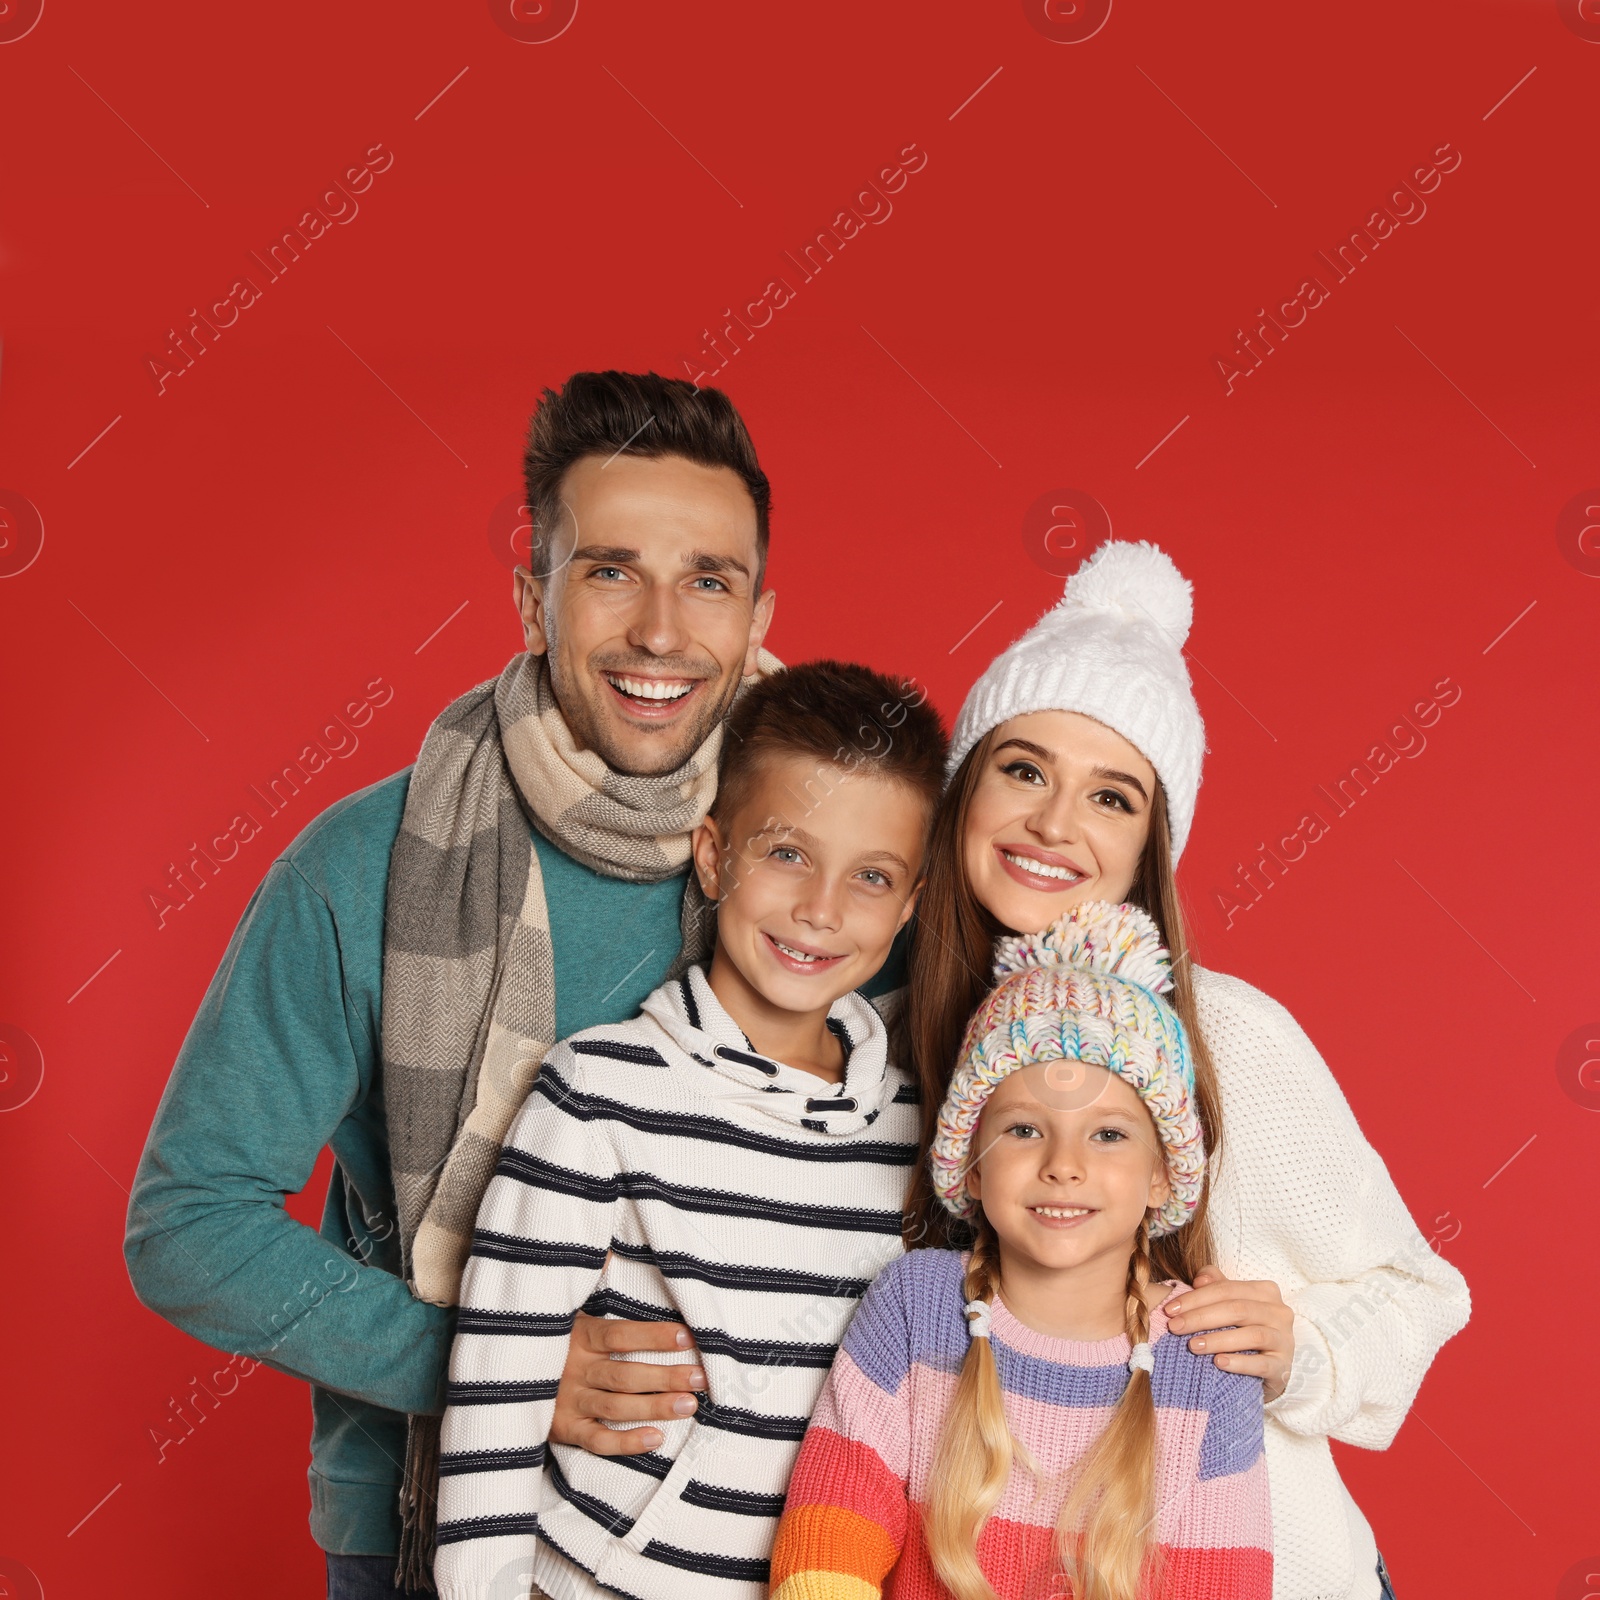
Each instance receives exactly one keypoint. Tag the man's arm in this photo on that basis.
(272, 1065)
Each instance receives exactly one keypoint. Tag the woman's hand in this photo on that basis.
(1254, 1318)
(596, 1390)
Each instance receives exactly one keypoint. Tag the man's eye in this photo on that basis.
(608, 572)
(713, 583)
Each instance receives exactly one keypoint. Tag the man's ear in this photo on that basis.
(707, 847)
(760, 621)
(532, 600)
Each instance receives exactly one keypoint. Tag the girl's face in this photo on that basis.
(1066, 1164)
(1059, 817)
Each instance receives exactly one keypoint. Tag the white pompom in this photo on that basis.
(1137, 580)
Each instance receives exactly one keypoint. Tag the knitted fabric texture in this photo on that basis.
(664, 1170)
(468, 974)
(1302, 1200)
(1112, 649)
(1087, 989)
(855, 1506)
(469, 988)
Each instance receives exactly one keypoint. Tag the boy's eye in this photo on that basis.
(784, 852)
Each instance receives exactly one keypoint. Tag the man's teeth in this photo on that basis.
(1061, 1211)
(792, 953)
(649, 688)
(1040, 869)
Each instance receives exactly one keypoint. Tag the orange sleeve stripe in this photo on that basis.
(815, 1539)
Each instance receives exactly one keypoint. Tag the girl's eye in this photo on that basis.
(1110, 1135)
(877, 879)
(1024, 770)
(785, 852)
(1115, 799)
(1023, 1130)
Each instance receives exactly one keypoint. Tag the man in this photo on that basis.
(407, 961)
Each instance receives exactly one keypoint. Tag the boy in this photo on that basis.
(736, 1157)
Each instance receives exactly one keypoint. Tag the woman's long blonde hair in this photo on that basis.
(1105, 1532)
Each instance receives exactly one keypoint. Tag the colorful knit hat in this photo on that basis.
(1086, 989)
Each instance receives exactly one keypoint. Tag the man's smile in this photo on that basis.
(653, 698)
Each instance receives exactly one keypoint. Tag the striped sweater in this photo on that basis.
(664, 1169)
(855, 1501)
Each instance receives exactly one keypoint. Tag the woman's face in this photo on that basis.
(1059, 817)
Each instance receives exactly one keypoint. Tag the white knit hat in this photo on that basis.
(1111, 648)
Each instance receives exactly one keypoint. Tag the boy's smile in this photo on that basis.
(813, 875)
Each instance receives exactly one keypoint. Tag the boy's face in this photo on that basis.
(1066, 1164)
(813, 876)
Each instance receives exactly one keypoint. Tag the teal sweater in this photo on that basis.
(282, 1060)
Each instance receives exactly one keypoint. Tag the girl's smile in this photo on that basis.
(1054, 1216)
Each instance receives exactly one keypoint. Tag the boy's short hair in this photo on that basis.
(845, 716)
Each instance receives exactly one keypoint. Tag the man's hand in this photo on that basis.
(1255, 1319)
(594, 1387)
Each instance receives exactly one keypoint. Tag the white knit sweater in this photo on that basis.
(1299, 1197)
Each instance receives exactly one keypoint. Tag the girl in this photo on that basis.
(1080, 1443)
(1075, 765)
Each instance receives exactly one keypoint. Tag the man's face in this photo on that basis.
(650, 617)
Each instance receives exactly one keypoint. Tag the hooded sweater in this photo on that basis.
(664, 1169)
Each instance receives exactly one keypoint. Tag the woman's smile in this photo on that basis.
(1039, 869)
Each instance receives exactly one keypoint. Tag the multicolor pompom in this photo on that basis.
(1088, 988)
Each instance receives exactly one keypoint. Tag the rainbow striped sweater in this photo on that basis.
(850, 1527)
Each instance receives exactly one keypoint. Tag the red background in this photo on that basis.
(307, 507)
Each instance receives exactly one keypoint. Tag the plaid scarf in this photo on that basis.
(469, 1000)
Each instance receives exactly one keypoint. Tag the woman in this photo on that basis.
(1075, 765)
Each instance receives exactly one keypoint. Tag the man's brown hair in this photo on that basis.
(637, 414)
(843, 716)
